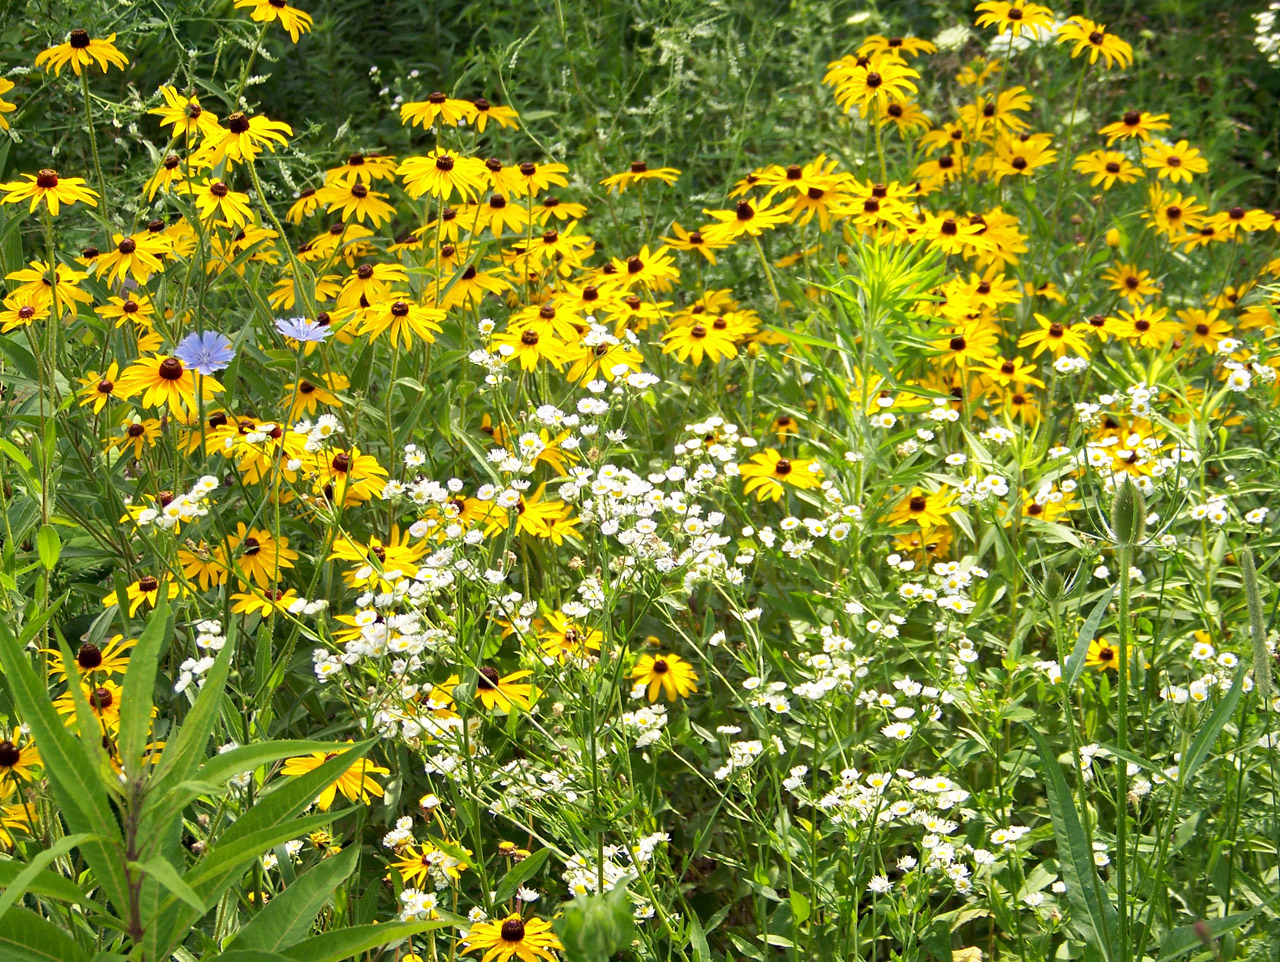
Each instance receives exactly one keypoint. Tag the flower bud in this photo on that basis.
(1128, 516)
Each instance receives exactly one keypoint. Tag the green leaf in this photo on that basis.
(18, 885)
(78, 790)
(1211, 728)
(1093, 915)
(289, 916)
(251, 955)
(520, 874)
(160, 869)
(342, 944)
(1185, 938)
(48, 546)
(698, 940)
(594, 927)
(26, 937)
(139, 687)
(1075, 664)
(185, 751)
(46, 883)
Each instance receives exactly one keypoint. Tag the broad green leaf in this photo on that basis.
(594, 927)
(47, 883)
(1075, 664)
(26, 937)
(289, 916)
(162, 871)
(1185, 938)
(48, 546)
(1093, 915)
(79, 791)
(342, 944)
(520, 874)
(139, 687)
(251, 955)
(21, 882)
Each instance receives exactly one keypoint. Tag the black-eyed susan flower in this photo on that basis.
(146, 590)
(1176, 163)
(18, 757)
(305, 396)
(442, 173)
(1013, 17)
(420, 862)
(138, 256)
(356, 783)
(996, 114)
(533, 178)
(502, 116)
(164, 382)
(497, 215)
(353, 199)
(1130, 282)
(437, 107)
(1008, 371)
(295, 22)
(655, 269)
(553, 208)
(365, 168)
(168, 175)
(136, 308)
(242, 140)
(258, 556)
(348, 477)
(49, 188)
(1022, 156)
(768, 474)
(90, 658)
(693, 342)
(1204, 329)
(81, 51)
(969, 344)
(97, 389)
(695, 240)
(402, 320)
(1094, 38)
(1135, 123)
(306, 204)
(1102, 655)
(1145, 326)
(562, 637)
(19, 311)
(1172, 214)
(135, 435)
(1056, 337)
(470, 285)
(40, 286)
(214, 199)
(185, 114)
(669, 674)
(265, 602)
(638, 173)
(104, 704)
(203, 565)
(911, 47)
(871, 83)
(504, 692)
(514, 937)
(1228, 222)
(928, 509)
(1106, 167)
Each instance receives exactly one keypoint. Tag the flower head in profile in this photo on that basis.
(294, 21)
(205, 352)
(81, 51)
(638, 173)
(242, 140)
(49, 188)
(5, 106)
(1014, 18)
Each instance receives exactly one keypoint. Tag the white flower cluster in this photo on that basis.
(210, 640)
(647, 722)
(180, 509)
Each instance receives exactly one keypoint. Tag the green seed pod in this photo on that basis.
(1054, 587)
(1128, 515)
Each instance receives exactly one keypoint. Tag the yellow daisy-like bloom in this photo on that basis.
(1021, 156)
(528, 940)
(669, 674)
(1105, 167)
(97, 389)
(242, 140)
(871, 83)
(356, 200)
(1014, 17)
(215, 199)
(1204, 329)
(89, 658)
(638, 173)
(437, 106)
(418, 862)
(381, 562)
(923, 508)
(164, 381)
(295, 21)
(185, 114)
(81, 51)
(1093, 37)
(18, 756)
(258, 555)
(442, 173)
(747, 219)
(19, 311)
(1176, 163)
(695, 240)
(768, 473)
(139, 255)
(146, 590)
(902, 46)
(1056, 337)
(5, 106)
(692, 342)
(354, 783)
(50, 189)
(348, 477)
(502, 116)
(563, 637)
(503, 692)
(1147, 326)
(136, 434)
(104, 704)
(1102, 655)
(1135, 123)
(1130, 282)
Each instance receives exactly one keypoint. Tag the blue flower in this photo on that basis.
(303, 329)
(205, 352)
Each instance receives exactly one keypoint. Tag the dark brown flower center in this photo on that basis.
(1202, 329)
(529, 338)
(170, 369)
(874, 80)
(101, 699)
(106, 387)
(958, 343)
(364, 271)
(172, 161)
(10, 754)
(238, 123)
(436, 97)
(135, 430)
(359, 191)
(444, 162)
(1131, 118)
(1095, 38)
(634, 265)
(745, 211)
(251, 546)
(1055, 329)
(148, 584)
(512, 929)
(219, 189)
(127, 246)
(89, 656)
(47, 179)
(79, 39)
(399, 309)
(341, 462)
(488, 681)
(698, 331)
(918, 503)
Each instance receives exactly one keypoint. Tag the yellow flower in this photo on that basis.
(295, 21)
(1013, 17)
(19, 312)
(746, 219)
(356, 200)
(694, 341)
(185, 115)
(1134, 123)
(49, 188)
(442, 173)
(1176, 163)
(348, 477)
(1131, 283)
(1106, 167)
(104, 704)
(145, 590)
(501, 693)
(89, 658)
(418, 863)
(5, 106)
(164, 381)
(18, 756)
(924, 508)
(638, 173)
(242, 140)
(1056, 337)
(1087, 35)
(502, 116)
(437, 106)
(670, 674)
(869, 82)
(258, 555)
(1102, 655)
(136, 434)
(97, 388)
(528, 940)
(215, 199)
(139, 255)
(81, 51)
(769, 472)
(354, 783)
(562, 637)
